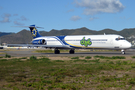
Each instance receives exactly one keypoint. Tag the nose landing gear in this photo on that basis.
(123, 51)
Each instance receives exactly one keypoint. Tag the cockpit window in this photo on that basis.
(120, 39)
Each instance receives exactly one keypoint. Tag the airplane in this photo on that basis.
(72, 42)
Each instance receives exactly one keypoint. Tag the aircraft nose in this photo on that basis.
(128, 45)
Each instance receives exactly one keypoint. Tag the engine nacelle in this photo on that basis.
(44, 42)
(40, 41)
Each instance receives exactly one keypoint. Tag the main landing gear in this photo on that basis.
(72, 51)
(123, 51)
(56, 51)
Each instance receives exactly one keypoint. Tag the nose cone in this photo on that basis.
(127, 45)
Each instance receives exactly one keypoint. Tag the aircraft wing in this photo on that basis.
(38, 45)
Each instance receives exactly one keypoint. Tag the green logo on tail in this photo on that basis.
(85, 42)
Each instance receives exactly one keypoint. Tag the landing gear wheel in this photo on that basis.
(57, 52)
(122, 51)
(71, 51)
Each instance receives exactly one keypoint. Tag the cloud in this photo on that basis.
(23, 18)
(1, 7)
(93, 18)
(126, 18)
(19, 20)
(92, 7)
(6, 18)
(129, 18)
(71, 10)
(15, 15)
(75, 18)
(18, 23)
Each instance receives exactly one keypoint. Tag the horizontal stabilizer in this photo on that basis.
(28, 26)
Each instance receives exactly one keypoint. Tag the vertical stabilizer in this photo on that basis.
(34, 31)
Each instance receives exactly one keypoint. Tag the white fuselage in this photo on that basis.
(86, 41)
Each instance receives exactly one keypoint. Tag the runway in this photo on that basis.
(28, 53)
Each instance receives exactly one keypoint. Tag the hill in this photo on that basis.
(25, 36)
(4, 33)
(21, 37)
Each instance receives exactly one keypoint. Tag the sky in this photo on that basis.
(67, 14)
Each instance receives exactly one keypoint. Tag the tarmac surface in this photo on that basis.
(28, 53)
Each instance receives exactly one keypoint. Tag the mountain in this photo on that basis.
(24, 36)
(21, 37)
(3, 33)
(107, 31)
(127, 32)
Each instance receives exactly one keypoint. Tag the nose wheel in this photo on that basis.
(123, 51)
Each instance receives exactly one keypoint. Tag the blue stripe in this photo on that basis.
(58, 38)
(63, 41)
(61, 38)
